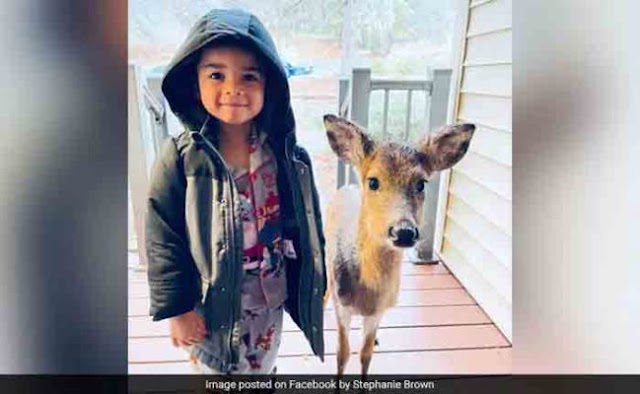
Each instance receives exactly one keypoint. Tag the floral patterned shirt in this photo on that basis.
(264, 282)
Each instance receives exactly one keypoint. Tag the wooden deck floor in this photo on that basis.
(436, 328)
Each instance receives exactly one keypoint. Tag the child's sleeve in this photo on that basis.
(171, 271)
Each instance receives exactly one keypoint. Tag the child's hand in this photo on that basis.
(187, 329)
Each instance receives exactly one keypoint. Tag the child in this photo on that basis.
(233, 227)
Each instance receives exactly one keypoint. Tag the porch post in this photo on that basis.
(343, 109)
(437, 118)
(359, 107)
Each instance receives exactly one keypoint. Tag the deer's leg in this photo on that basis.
(369, 328)
(329, 290)
(343, 316)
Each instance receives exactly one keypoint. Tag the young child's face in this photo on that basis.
(231, 84)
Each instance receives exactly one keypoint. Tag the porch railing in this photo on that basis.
(354, 96)
(147, 129)
(149, 124)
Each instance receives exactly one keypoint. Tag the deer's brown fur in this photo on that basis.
(364, 252)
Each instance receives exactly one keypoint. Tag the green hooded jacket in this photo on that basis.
(194, 236)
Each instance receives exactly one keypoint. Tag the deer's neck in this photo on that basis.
(379, 262)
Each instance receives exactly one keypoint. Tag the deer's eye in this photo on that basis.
(374, 184)
(420, 184)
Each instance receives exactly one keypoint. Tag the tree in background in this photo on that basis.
(375, 24)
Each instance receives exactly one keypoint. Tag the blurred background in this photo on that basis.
(63, 187)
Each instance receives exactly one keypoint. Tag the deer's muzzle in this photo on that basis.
(404, 234)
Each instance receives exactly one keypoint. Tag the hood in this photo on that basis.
(235, 27)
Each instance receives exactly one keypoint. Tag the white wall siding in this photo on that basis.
(494, 80)
(489, 111)
(487, 234)
(497, 307)
(493, 144)
(476, 235)
(489, 48)
(491, 16)
(486, 202)
(491, 174)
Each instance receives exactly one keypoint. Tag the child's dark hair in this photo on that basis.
(233, 42)
(264, 67)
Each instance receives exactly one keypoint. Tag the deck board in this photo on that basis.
(396, 317)
(409, 282)
(391, 340)
(407, 298)
(436, 328)
(467, 361)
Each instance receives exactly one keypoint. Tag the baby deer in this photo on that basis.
(369, 225)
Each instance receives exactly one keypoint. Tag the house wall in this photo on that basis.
(475, 238)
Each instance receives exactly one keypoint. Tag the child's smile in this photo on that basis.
(231, 85)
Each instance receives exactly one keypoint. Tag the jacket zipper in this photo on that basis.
(232, 240)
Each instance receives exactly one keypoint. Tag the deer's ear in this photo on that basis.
(348, 140)
(446, 147)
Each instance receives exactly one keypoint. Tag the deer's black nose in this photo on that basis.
(404, 234)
